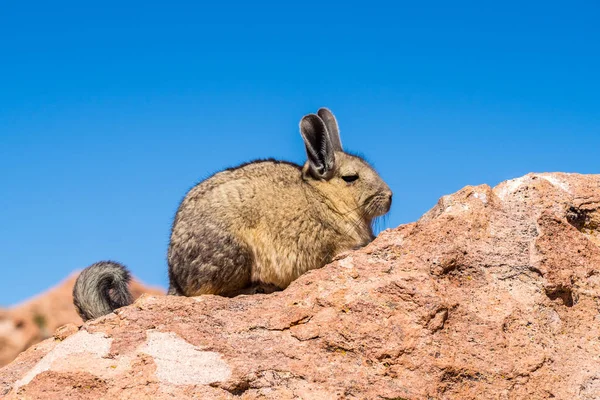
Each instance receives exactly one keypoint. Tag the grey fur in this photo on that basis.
(257, 227)
(319, 148)
(101, 288)
(332, 128)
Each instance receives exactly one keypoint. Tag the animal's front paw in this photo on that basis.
(265, 288)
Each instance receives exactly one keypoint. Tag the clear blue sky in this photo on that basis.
(110, 112)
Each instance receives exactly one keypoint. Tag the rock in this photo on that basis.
(36, 319)
(493, 294)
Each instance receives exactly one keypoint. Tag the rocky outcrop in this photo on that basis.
(493, 294)
(36, 319)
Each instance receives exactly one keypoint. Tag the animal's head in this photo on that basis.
(348, 181)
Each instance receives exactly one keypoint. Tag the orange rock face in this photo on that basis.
(493, 294)
(36, 319)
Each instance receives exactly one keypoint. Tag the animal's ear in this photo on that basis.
(332, 127)
(319, 149)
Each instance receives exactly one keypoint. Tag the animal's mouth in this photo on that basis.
(385, 204)
(379, 205)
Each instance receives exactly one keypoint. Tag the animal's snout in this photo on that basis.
(386, 201)
(387, 195)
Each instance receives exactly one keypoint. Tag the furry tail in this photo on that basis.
(101, 288)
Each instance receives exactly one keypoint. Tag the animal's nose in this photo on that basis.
(389, 196)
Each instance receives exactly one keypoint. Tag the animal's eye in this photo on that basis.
(350, 178)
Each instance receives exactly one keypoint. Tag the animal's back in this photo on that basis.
(241, 197)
